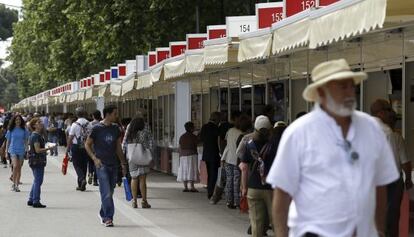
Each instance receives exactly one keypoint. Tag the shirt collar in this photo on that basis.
(333, 126)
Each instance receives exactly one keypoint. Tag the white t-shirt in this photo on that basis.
(333, 194)
(75, 129)
(229, 154)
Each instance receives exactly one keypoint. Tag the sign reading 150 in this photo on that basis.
(306, 4)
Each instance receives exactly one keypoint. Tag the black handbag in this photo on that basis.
(36, 159)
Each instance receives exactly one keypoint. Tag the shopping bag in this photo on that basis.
(244, 206)
(219, 182)
(127, 188)
(65, 165)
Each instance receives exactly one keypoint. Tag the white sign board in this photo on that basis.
(142, 63)
(237, 25)
(130, 66)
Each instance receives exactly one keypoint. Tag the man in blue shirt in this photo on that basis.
(104, 148)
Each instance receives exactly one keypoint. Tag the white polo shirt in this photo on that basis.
(333, 195)
(75, 129)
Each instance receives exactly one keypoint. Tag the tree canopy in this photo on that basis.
(64, 40)
(7, 18)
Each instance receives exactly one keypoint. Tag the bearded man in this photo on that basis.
(334, 164)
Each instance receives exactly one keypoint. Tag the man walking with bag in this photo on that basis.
(334, 163)
(105, 149)
(76, 144)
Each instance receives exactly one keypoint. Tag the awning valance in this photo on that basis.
(128, 84)
(255, 45)
(156, 72)
(174, 67)
(194, 61)
(81, 95)
(116, 87)
(62, 98)
(349, 18)
(291, 32)
(102, 91)
(88, 93)
(220, 51)
(144, 80)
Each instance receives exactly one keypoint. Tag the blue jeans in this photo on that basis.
(54, 139)
(107, 176)
(38, 173)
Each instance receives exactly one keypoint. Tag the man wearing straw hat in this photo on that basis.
(333, 163)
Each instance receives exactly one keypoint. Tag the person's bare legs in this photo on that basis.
(143, 186)
(134, 189)
(20, 171)
(16, 172)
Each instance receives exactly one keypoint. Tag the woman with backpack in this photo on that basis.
(138, 134)
(17, 136)
(37, 161)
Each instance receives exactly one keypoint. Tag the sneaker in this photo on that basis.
(145, 204)
(38, 205)
(95, 183)
(30, 203)
(108, 223)
(101, 219)
(16, 189)
(13, 188)
(5, 166)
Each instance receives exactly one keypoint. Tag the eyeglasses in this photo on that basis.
(353, 156)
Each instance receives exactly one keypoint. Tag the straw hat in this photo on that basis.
(330, 71)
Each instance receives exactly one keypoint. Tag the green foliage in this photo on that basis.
(8, 88)
(7, 18)
(65, 40)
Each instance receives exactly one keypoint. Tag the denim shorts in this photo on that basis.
(18, 156)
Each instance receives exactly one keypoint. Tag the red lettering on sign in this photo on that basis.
(102, 77)
(107, 75)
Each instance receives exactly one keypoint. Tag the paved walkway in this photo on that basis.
(73, 213)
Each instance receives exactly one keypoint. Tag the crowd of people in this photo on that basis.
(332, 172)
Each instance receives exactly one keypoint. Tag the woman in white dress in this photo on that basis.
(188, 169)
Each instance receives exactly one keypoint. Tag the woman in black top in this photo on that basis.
(37, 161)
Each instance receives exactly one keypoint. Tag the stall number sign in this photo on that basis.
(327, 2)
(152, 58)
(296, 6)
(177, 50)
(161, 55)
(268, 16)
(217, 33)
(240, 25)
(196, 43)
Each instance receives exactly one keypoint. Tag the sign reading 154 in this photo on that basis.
(244, 28)
(306, 4)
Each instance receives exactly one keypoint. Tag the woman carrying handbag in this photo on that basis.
(37, 161)
(138, 145)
